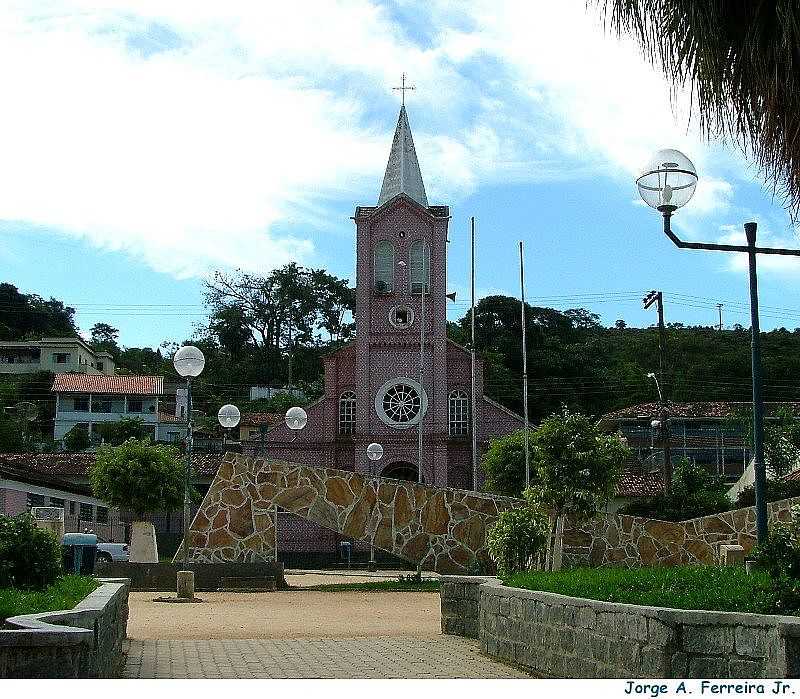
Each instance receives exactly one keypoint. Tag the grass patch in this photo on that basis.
(722, 589)
(64, 593)
(378, 586)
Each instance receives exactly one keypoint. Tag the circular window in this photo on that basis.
(401, 317)
(401, 403)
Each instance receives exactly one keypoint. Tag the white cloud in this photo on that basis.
(186, 133)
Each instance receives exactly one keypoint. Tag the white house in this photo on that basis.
(55, 354)
(91, 400)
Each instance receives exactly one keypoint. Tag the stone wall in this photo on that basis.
(86, 641)
(441, 529)
(566, 637)
(162, 577)
(621, 540)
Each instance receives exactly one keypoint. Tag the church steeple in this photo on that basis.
(403, 175)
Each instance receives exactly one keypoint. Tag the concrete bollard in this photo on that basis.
(185, 584)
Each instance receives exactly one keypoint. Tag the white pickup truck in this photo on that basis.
(112, 552)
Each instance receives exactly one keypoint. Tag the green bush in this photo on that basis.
(516, 538)
(776, 490)
(138, 475)
(30, 558)
(77, 439)
(694, 493)
(724, 589)
(779, 557)
(115, 433)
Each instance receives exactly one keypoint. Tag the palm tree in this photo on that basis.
(740, 59)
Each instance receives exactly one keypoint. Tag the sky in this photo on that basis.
(145, 144)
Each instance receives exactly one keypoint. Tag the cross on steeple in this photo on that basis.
(403, 87)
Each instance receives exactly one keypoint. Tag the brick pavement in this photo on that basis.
(384, 657)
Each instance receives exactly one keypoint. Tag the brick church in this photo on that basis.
(373, 391)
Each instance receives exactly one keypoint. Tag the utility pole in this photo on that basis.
(657, 297)
(474, 406)
(524, 365)
(719, 308)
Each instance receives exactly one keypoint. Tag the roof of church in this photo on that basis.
(403, 175)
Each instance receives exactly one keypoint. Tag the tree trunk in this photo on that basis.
(558, 544)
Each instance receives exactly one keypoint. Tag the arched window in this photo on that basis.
(417, 263)
(459, 413)
(347, 412)
(384, 267)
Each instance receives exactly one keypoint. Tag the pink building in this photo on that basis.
(373, 391)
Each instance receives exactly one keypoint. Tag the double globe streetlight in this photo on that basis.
(668, 183)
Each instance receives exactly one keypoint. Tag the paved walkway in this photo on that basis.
(383, 657)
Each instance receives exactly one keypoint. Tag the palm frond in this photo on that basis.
(740, 60)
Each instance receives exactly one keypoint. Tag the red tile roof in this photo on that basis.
(638, 485)
(77, 465)
(696, 409)
(97, 383)
(168, 417)
(256, 419)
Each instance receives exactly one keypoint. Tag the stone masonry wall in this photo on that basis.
(566, 637)
(86, 641)
(621, 540)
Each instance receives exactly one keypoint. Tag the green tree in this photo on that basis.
(77, 439)
(13, 437)
(119, 431)
(30, 317)
(738, 61)
(105, 339)
(576, 469)
(138, 476)
(504, 465)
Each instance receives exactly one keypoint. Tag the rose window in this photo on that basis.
(401, 403)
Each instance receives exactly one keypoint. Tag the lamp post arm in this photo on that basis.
(719, 246)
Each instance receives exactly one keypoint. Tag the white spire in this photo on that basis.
(403, 175)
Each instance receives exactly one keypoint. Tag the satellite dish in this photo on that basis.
(27, 410)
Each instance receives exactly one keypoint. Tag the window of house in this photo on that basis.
(35, 500)
(72, 508)
(80, 403)
(102, 515)
(86, 512)
(418, 262)
(384, 267)
(61, 358)
(347, 412)
(101, 405)
(56, 502)
(99, 366)
(459, 413)
(135, 405)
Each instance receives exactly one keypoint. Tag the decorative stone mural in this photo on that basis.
(443, 529)
(620, 540)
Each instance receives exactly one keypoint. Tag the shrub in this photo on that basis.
(517, 538)
(779, 557)
(776, 490)
(30, 558)
(115, 433)
(139, 476)
(694, 493)
(77, 439)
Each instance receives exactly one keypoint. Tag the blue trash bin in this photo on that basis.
(80, 552)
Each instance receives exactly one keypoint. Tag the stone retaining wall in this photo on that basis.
(86, 641)
(163, 577)
(556, 636)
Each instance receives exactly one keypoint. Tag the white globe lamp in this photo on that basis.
(374, 452)
(229, 416)
(296, 418)
(189, 361)
(668, 181)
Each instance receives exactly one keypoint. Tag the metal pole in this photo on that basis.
(474, 406)
(421, 359)
(188, 474)
(719, 308)
(662, 353)
(758, 399)
(524, 365)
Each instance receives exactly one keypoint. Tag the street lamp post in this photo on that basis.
(189, 363)
(668, 183)
(374, 454)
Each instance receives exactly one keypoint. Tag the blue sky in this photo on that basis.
(148, 144)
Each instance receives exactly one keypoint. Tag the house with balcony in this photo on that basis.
(93, 400)
(54, 354)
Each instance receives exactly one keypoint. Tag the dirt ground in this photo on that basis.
(293, 614)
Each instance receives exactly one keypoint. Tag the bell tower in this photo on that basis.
(401, 246)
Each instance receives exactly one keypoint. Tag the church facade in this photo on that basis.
(374, 389)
